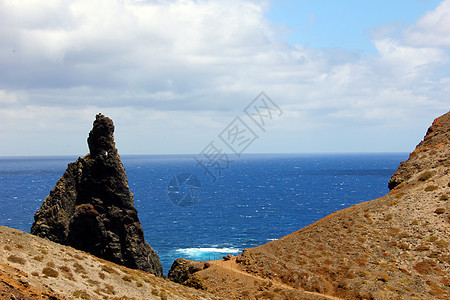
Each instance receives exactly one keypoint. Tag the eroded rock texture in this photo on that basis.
(182, 269)
(91, 208)
(431, 152)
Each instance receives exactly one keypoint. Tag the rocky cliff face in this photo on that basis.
(429, 154)
(91, 208)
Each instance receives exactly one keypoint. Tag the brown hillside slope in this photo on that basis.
(393, 247)
(35, 268)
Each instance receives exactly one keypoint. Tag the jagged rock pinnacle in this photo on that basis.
(101, 137)
(91, 208)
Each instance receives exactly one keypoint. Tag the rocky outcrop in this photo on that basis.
(428, 154)
(182, 269)
(91, 208)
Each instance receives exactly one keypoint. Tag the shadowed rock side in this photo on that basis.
(91, 208)
(393, 247)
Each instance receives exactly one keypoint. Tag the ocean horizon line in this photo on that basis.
(51, 156)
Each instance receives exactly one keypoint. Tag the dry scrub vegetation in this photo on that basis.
(47, 270)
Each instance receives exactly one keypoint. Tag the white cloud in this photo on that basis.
(407, 67)
(432, 29)
(7, 98)
(175, 66)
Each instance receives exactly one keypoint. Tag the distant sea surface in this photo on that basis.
(258, 197)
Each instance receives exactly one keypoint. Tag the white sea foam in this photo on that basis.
(206, 251)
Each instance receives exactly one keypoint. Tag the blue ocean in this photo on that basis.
(257, 198)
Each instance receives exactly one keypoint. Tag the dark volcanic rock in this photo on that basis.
(182, 269)
(91, 208)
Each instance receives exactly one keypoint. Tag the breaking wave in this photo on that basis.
(206, 253)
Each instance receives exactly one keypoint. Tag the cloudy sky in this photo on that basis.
(349, 76)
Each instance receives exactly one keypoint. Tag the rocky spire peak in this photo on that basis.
(101, 137)
(91, 208)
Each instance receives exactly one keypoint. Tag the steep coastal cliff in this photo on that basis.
(91, 208)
